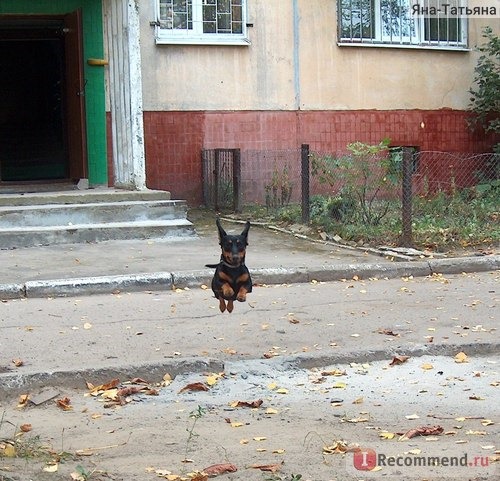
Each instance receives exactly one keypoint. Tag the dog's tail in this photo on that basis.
(212, 266)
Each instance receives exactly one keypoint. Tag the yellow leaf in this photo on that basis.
(51, 468)
(9, 451)
(359, 400)
(236, 425)
(487, 422)
(460, 419)
(339, 385)
(259, 438)
(271, 411)
(386, 435)
(87, 325)
(272, 386)
(243, 441)
(461, 357)
(212, 379)
(261, 450)
(282, 390)
(427, 366)
(414, 451)
(110, 393)
(279, 451)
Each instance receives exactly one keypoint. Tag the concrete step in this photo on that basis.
(93, 215)
(82, 197)
(90, 213)
(79, 233)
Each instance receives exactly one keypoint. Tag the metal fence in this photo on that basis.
(351, 187)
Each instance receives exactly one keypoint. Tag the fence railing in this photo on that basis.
(354, 187)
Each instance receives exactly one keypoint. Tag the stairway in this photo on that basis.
(94, 215)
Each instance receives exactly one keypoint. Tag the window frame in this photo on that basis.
(196, 36)
(415, 41)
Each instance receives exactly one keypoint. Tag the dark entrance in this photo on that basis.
(42, 129)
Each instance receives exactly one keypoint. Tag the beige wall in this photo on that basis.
(270, 74)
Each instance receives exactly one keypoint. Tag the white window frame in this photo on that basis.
(195, 36)
(415, 40)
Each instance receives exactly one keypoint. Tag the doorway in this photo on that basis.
(42, 116)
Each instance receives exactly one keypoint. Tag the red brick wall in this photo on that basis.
(174, 140)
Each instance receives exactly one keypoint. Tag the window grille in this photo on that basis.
(400, 23)
(201, 21)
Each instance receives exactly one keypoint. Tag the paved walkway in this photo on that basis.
(272, 256)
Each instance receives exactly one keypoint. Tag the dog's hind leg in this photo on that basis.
(222, 305)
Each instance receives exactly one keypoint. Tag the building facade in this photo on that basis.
(157, 81)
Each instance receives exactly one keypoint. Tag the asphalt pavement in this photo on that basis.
(273, 257)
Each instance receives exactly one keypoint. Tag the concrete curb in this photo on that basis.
(181, 279)
(17, 383)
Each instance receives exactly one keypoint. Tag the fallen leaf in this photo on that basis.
(412, 416)
(259, 438)
(64, 404)
(461, 357)
(23, 400)
(281, 390)
(247, 404)
(18, 362)
(272, 468)
(236, 425)
(386, 435)
(218, 469)
(387, 332)
(271, 411)
(335, 372)
(339, 385)
(51, 468)
(396, 360)
(427, 366)
(104, 387)
(213, 379)
(414, 451)
(195, 386)
(487, 422)
(474, 397)
(25, 428)
(422, 431)
(337, 448)
(9, 451)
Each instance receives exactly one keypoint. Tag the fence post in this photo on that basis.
(407, 198)
(237, 180)
(304, 153)
(216, 178)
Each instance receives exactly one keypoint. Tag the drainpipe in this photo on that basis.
(296, 53)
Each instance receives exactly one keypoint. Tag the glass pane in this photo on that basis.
(237, 27)
(357, 19)
(176, 14)
(223, 23)
(442, 29)
(224, 6)
(396, 22)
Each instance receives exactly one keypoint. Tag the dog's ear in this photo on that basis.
(245, 230)
(222, 232)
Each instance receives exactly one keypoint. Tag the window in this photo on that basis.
(201, 22)
(400, 23)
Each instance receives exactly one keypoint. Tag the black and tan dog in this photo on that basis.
(231, 281)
